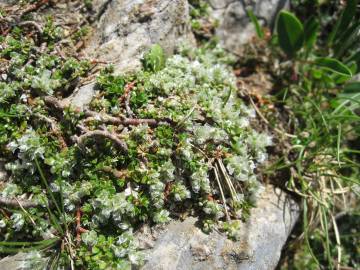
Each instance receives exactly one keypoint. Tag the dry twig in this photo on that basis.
(222, 193)
(262, 117)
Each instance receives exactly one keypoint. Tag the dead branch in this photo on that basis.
(103, 117)
(126, 98)
(101, 133)
(136, 122)
(114, 172)
(79, 229)
(127, 106)
(16, 203)
(32, 23)
(34, 7)
(56, 103)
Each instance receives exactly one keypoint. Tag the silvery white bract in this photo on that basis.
(180, 192)
(161, 216)
(157, 193)
(11, 190)
(114, 207)
(18, 221)
(200, 180)
(44, 83)
(29, 146)
(2, 223)
(89, 238)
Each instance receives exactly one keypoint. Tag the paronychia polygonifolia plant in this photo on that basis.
(172, 137)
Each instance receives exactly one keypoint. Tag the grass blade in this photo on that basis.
(15, 247)
(306, 231)
(53, 218)
(338, 144)
(345, 20)
(42, 177)
(255, 21)
(311, 29)
(326, 232)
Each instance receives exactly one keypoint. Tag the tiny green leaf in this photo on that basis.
(334, 66)
(345, 20)
(353, 87)
(255, 21)
(348, 41)
(311, 29)
(154, 60)
(354, 57)
(291, 33)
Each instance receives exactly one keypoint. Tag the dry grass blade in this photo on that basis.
(265, 120)
(10, 202)
(338, 242)
(221, 192)
(228, 181)
(26, 212)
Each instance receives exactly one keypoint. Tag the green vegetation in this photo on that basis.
(81, 182)
(177, 138)
(322, 119)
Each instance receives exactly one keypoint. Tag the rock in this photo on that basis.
(4, 3)
(12, 262)
(21, 261)
(127, 28)
(82, 96)
(235, 28)
(184, 246)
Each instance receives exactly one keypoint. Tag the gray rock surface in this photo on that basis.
(127, 28)
(124, 30)
(82, 96)
(20, 261)
(184, 246)
(12, 262)
(4, 3)
(235, 28)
